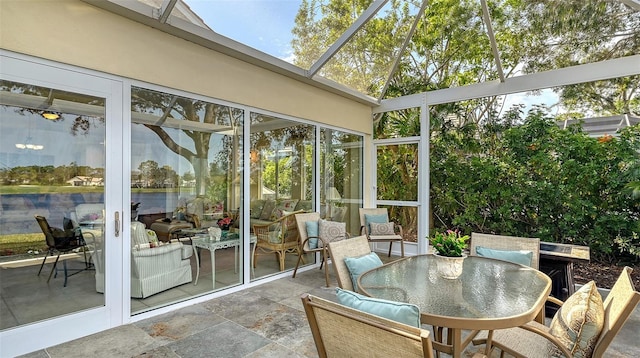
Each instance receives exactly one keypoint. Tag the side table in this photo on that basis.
(202, 241)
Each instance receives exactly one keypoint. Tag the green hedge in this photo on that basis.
(538, 180)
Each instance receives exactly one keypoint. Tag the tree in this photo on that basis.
(575, 32)
(364, 62)
(192, 110)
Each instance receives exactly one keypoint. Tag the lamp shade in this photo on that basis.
(332, 194)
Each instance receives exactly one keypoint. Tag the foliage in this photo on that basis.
(449, 243)
(537, 180)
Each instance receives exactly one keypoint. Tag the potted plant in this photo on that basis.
(449, 247)
(225, 223)
(450, 243)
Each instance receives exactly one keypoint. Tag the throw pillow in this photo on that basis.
(579, 321)
(359, 265)
(152, 237)
(380, 219)
(275, 237)
(267, 210)
(312, 230)
(522, 257)
(284, 206)
(382, 229)
(331, 231)
(256, 208)
(397, 311)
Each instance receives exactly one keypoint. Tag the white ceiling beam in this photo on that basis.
(492, 39)
(165, 10)
(407, 39)
(634, 4)
(346, 36)
(597, 71)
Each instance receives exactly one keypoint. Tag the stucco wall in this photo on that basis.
(76, 33)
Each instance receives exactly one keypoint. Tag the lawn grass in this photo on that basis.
(17, 244)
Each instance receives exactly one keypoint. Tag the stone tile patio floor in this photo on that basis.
(262, 321)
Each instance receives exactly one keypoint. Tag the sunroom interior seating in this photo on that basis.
(157, 266)
(279, 237)
(264, 211)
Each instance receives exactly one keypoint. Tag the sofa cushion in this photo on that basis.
(256, 208)
(267, 209)
(312, 230)
(306, 205)
(283, 206)
(381, 229)
(370, 218)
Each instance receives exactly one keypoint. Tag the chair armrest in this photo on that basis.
(554, 300)
(551, 338)
(262, 230)
(155, 251)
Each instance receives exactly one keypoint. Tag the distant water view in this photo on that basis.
(17, 210)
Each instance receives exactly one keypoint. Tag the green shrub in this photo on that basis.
(538, 180)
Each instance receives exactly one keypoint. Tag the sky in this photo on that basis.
(262, 24)
(266, 26)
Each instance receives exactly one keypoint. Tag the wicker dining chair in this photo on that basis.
(340, 331)
(305, 248)
(501, 242)
(368, 216)
(339, 250)
(533, 339)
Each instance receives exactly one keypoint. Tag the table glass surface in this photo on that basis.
(487, 288)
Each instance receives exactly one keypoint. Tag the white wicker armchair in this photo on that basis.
(155, 269)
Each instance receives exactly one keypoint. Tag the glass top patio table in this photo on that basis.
(490, 294)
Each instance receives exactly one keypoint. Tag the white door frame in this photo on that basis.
(422, 202)
(39, 335)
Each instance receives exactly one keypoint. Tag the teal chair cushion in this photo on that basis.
(397, 311)
(379, 219)
(312, 230)
(522, 257)
(359, 265)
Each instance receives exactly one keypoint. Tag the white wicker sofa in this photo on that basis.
(157, 268)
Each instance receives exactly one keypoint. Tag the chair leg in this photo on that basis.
(297, 264)
(326, 269)
(54, 268)
(43, 261)
(281, 259)
(402, 247)
(64, 265)
(390, 246)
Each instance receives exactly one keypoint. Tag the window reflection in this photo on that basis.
(186, 170)
(52, 165)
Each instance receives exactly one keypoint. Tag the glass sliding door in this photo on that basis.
(281, 156)
(58, 258)
(186, 177)
(341, 177)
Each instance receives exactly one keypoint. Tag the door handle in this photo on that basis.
(117, 216)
